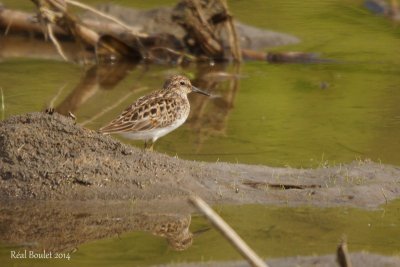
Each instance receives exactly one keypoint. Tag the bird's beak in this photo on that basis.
(197, 90)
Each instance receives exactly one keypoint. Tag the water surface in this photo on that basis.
(286, 114)
(271, 231)
(301, 115)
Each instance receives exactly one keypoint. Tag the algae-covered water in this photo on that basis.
(301, 115)
(271, 231)
(284, 114)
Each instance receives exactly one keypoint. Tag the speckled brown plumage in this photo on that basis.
(156, 110)
(156, 114)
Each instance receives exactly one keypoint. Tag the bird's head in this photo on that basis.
(181, 84)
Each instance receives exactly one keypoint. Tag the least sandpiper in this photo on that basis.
(157, 114)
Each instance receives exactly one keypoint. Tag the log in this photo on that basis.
(120, 43)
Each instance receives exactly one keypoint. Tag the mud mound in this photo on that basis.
(50, 157)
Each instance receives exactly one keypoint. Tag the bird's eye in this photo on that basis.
(182, 83)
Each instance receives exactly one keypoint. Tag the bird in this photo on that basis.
(156, 114)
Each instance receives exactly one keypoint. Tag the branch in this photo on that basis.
(227, 232)
(342, 254)
(55, 42)
(101, 14)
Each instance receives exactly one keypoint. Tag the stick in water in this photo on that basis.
(228, 232)
(342, 254)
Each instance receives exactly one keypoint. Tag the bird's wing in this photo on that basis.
(147, 113)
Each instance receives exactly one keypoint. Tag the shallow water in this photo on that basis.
(274, 232)
(284, 114)
(300, 115)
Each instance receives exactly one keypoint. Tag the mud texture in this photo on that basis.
(100, 188)
(47, 157)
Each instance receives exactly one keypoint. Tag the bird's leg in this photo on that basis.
(145, 145)
(153, 140)
(148, 145)
(151, 146)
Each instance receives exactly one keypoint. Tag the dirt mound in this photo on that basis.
(50, 157)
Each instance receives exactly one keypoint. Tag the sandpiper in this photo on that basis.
(157, 114)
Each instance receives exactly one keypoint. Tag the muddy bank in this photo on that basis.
(50, 157)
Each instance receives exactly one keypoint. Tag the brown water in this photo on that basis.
(287, 114)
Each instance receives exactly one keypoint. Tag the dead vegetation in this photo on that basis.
(209, 33)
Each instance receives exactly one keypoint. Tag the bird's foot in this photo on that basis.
(148, 147)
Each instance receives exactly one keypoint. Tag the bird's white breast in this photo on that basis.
(154, 134)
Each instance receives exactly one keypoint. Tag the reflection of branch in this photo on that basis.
(51, 104)
(233, 85)
(106, 110)
(181, 54)
(8, 26)
(2, 104)
(394, 7)
(227, 232)
(232, 35)
(211, 116)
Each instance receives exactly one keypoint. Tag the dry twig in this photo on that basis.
(228, 232)
(55, 41)
(97, 12)
(342, 254)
